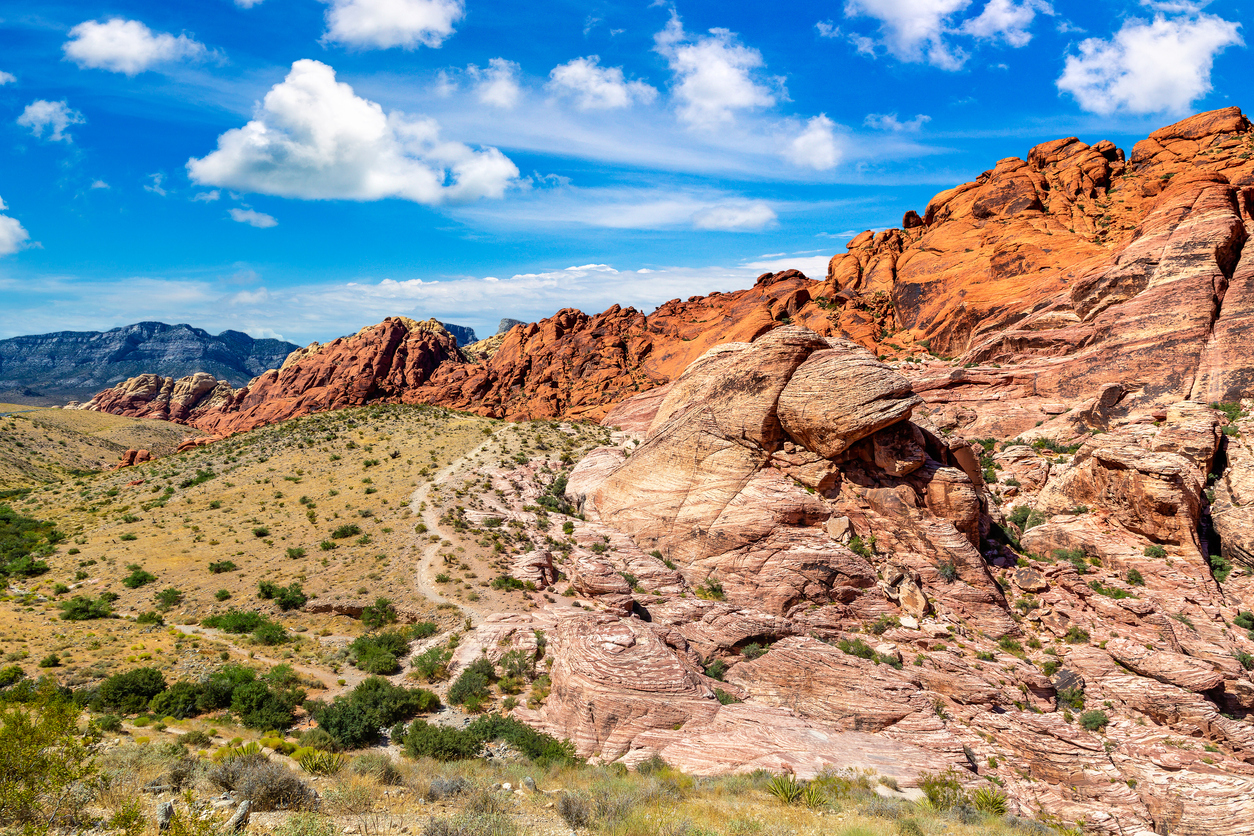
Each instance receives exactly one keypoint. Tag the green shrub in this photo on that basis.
(46, 762)
(296, 553)
(379, 614)
(259, 707)
(261, 531)
(716, 669)
(1220, 567)
(726, 698)
(432, 663)
(379, 653)
(108, 722)
(354, 720)
(346, 530)
(378, 766)
(507, 583)
(130, 692)
(220, 566)
(290, 597)
(948, 570)
(149, 618)
(445, 744)
(1155, 551)
(80, 608)
(474, 681)
(1135, 578)
(180, 701)
(1094, 720)
(168, 597)
(1244, 620)
(1245, 659)
(24, 541)
(943, 790)
(137, 578)
(1076, 635)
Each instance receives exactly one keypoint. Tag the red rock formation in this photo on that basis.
(133, 457)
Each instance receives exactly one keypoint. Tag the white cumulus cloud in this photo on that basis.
(498, 84)
(127, 46)
(312, 137)
(714, 74)
(594, 87)
(253, 218)
(55, 117)
(12, 235)
(735, 217)
(7, 78)
(382, 24)
(1148, 67)
(1007, 21)
(924, 30)
(816, 146)
(914, 30)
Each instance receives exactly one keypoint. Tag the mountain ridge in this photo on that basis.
(76, 364)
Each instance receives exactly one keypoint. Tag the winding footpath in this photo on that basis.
(424, 576)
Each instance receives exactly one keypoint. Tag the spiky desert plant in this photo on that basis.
(989, 800)
(785, 787)
(318, 762)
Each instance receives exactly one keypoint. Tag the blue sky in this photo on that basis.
(302, 169)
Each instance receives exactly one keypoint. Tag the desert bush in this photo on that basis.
(218, 689)
(80, 608)
(138, 577)
(376, 765)
(354, 719)
(196, 737)
(268, 785)
(446, 788)
(379, 614)
(218, 567)
(346, 530)
(445, 744)
(1155, 551)
(290, 597)
(180, 701)
(432, 664)
(46, 762)
(473, 682)
(575, 808)
(260, 707)
(379, 653)
(943, 790)
(1094, 721)
(318, 738)
(130, 692)
(108, 722)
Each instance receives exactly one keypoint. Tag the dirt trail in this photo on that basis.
(429, 550)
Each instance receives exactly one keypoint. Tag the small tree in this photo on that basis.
(45, 759)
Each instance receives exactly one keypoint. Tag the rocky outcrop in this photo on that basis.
(1040, 611)
(74, 365)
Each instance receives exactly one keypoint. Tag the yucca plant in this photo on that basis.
(318, 762)
(989, 800)
(785, 787)
(813, 795)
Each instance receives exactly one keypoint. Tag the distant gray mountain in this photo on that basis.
(507, 324)
(78, 364)
(463, 335)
